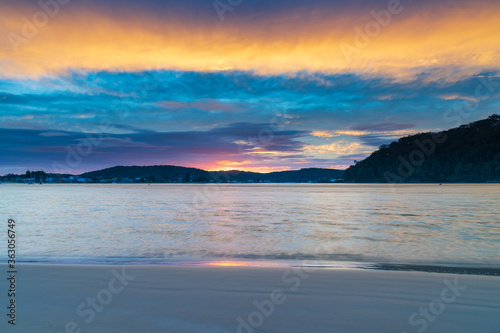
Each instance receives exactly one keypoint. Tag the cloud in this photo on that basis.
(51, 134)
(382, 127)
(322, 134)
(340, 147)
(196, 118)
(427, 39)
(208, 105)
(23, 146)
(375, 140)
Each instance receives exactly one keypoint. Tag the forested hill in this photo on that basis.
(293, 176)
(155, 173)
(469, 153)
(170, 173)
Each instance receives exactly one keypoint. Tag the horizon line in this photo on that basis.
(171, 165)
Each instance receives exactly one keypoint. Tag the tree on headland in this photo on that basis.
(469, 153)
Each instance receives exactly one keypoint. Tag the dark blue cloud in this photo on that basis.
(226, 97)
(27, 147)
(374, 140)
(254, 9)
(176, 115)
(382, 127)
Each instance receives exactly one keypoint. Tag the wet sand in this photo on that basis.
(65, 298)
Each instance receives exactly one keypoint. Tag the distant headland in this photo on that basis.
(179, 174)
(466, 154)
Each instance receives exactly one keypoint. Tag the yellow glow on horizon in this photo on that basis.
(259, 169)
(232, 263)
(89, 40)
(227, 165)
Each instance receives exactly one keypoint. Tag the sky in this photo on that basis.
(251, 85)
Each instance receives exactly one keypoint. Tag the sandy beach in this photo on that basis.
(64, 298)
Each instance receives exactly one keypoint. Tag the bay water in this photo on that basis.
(331, 225)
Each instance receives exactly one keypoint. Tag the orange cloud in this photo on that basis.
(323, 134)
(434, 39)
(337, 148)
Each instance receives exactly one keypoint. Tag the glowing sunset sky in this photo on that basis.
(250, 85)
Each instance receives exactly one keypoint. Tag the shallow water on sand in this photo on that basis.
(326, 224)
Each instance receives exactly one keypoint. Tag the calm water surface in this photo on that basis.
(277, 223)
